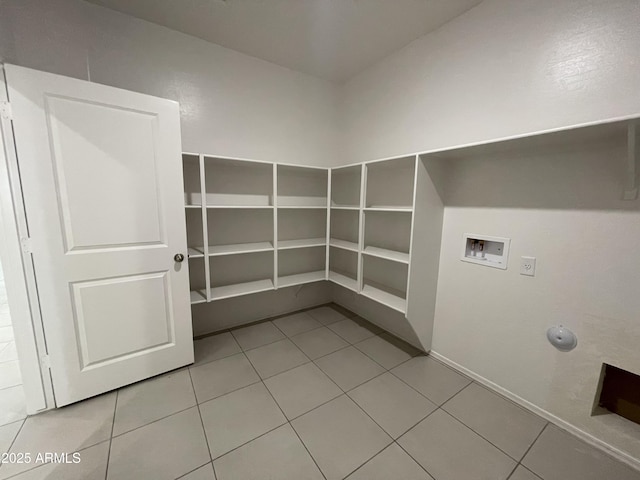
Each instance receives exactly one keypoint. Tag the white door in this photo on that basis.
(101, 174)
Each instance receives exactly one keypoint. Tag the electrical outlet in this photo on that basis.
(528, 266)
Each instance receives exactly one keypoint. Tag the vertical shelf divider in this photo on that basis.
(205, 228)
(328, 232)
(363, 201)
(413, 218)
(275, 226)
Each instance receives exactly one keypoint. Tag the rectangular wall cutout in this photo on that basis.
(485, 250)
(620, 392)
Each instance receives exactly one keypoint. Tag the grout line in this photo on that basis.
(229, 392)
(411, 456)
(154, 421)
(113, 423)
(530, 447)
(288, 422)
(197, 468)
(525, 468)
(15, 437)
(248, 441)
(283, 371)
(480, 435)
(204, 430)
(370, 458)
(331, 353)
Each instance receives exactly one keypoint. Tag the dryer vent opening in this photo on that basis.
(620, 392)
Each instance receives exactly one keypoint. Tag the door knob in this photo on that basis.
(178, 257)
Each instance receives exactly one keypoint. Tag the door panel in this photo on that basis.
(102, 180)
(129, 309)
(97, 177)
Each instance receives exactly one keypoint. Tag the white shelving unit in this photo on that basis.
(302, 187)
(232, 183)
(302, 243)
(257, 226)
(345, 187)
(371, 218)
(300, 266)
(385, 281)
(343, 268)
(253, 226)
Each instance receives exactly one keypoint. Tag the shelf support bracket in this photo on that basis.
(633, 163)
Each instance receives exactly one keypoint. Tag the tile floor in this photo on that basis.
(315, 395)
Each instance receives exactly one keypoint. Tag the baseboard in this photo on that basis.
(588, 438)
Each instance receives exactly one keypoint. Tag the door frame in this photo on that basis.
(19, 273)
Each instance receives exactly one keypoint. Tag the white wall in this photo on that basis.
(501, 69)
(231, 104)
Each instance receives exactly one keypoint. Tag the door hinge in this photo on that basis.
(45, 362)
(5, 110)
(26, 245)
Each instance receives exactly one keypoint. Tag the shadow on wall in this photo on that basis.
(581, 171)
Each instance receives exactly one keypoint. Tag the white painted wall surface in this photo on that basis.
(506, 68)
(503, 68)
(231, 104)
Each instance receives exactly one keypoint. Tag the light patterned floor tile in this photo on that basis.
(340, 437)
(92, 465)
(257, 335)
(354, 330)
(557, 455)
(297, 323)
(170, 448)
(386, 350)
(349, 367)
(269, 360)
(393, 405)
(239, 417)
(327, 315)
(299, 390)
(222, 376)
(508, 426)
(215, 347)
(319, 342)
(450, 451)
(64, 430)
(153, 399)
(277, 455)
(431, 378)
(392, 463)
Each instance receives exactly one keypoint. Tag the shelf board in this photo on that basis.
(285, 201)
(247, 207)
(236, 248)
(229, 291)
(301, 278)
(343, 281)
(198, 296)
(303, 207)
(390, 300)
(302, 243)
(392, 255)
(345, 245)
(195, 252)
(193, 206)
(388, 208)
(345, 207)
